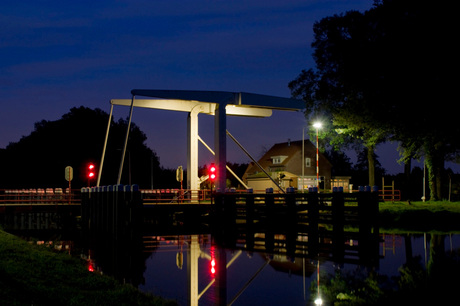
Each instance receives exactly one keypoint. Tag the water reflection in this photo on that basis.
(237, 276)
(269, 266)
(180, 267)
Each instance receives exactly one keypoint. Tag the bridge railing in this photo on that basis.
(39, 196)
(175, 196)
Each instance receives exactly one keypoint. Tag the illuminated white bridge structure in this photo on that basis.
(220, 104)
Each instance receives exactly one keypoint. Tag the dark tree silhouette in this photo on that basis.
(39, 159)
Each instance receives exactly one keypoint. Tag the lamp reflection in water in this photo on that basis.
(318, 300)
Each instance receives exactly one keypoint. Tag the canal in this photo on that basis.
(261, 278)
(270, 266)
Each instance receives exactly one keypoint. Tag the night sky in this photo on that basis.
(56, 55)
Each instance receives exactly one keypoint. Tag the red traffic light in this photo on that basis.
(91, 171)
(212, 172)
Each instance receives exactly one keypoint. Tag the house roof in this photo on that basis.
(286, 149)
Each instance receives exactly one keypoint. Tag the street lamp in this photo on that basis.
(303, 157)
(317, 125)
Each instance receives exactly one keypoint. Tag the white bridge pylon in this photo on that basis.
(216, 103)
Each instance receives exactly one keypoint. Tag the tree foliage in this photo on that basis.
(39, 159)
(385, 74)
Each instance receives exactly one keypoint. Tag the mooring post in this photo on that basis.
(84, 208)
(136, 204)
(368, 225)
(230, 207)
(292, 221)
(99, 207)
(249, 207)
(338, 222)
(93, 208)
(118, 200)
(313, 220)
(269, 203)
(109, 208)
(290, 204)
(219, 206)
(103, 199)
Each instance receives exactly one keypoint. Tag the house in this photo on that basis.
(283, 163)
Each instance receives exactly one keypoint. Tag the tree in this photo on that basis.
(342, 165)
(341, 85)
(377, 74)
(39, 159)
(416, 85)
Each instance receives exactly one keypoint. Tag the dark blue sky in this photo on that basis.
(55, 55)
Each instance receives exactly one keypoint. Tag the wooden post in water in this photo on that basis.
(117, 203)
(99, 206)
(291, 222)
(110, 208)
(84, 208)
(368, 224)
(313, 219)
(249, 208)
(230, 207)
(269, 203)
(338, 222)
(291, 205)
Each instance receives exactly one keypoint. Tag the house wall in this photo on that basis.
(295, 166)
(291, 167)
(260, 184)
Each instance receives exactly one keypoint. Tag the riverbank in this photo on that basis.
(415, 217)
(36, 275)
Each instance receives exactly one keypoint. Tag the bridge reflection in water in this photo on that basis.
(211, 260)
(292, 229)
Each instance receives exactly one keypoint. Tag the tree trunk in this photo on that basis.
(439, 167)
(431, 177)
(435, 165)
(371, 161)
(407, 179)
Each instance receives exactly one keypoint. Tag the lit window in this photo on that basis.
(278, 159)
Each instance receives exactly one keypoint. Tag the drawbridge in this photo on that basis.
(219, 104)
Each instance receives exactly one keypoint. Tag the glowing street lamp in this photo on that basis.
(317, 126)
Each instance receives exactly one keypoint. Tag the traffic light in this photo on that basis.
(91, 171)
(212, 172)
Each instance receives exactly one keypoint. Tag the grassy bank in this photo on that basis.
(35, 275)
(420, 216)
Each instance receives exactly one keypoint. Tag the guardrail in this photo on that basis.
(390, 195)
(39, 196)
(52, 196)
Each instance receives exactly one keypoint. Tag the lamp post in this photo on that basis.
(303, 157)
(317, 125)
